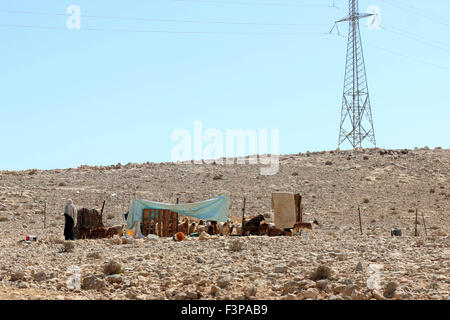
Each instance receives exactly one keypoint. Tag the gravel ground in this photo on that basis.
(388, 185)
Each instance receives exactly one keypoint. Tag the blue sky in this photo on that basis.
(72, 97)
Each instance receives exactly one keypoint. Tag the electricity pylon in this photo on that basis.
(356, 115)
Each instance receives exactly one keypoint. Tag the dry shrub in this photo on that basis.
(112, 267)
(3, 219)
(322, 272)
(68, 246)
(110, 216)
(236, 246)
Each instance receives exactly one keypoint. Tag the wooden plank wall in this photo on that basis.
(162, 222)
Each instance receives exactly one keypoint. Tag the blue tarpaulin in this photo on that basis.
(213, 209)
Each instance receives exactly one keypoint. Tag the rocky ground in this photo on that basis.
(388, 185)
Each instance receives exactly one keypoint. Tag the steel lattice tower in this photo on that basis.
(356, 115)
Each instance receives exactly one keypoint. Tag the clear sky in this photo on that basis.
(73, 97)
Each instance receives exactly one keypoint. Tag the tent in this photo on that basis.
(215, 209)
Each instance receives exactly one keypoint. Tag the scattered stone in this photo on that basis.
(349, 290)
(310, 293)
(359, 267)
(340, 288)
(201, 260)
(93, 255)
(131, 295)
(322, 284)
(335, 297)
(281, 268)
(16, 276)
(377, 295)
(223, 282)
(214, 290)
(39, 276)
(191, 295)
(115, 278)
(204, 236)
(91, 282)
(289, 287)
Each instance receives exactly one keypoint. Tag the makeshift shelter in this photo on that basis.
(162, 218)
(287, 209)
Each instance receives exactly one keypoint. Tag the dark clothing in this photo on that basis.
(68, 228)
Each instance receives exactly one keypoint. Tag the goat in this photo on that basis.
(184, 226)
(212, 228)
(253, 224)
(302, 225)
(84, 233)
(227, 228)
(98, 233)
(118, 230)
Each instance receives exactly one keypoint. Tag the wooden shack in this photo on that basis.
(87, 220)
(287, 209)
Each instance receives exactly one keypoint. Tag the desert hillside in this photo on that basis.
(388, 185)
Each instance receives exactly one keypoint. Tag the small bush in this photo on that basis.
(3, 219)
(322, 272)
(110, 216)
(68, 246)
(112, 267)
(236, 246)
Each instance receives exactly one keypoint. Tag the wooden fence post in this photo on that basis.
(45, 213)
(243, 218)
(415, 227)
(360, 222)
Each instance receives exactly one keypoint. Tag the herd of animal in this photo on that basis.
(188, 226)
(255, 226)
(101, 232)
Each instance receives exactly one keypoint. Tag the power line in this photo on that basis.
(256, 3)
(417, 12)
(410, 57)
(421, 11)
(160, 20)
(416, 38)
(170, 32)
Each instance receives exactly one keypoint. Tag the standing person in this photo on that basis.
(70, 213)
